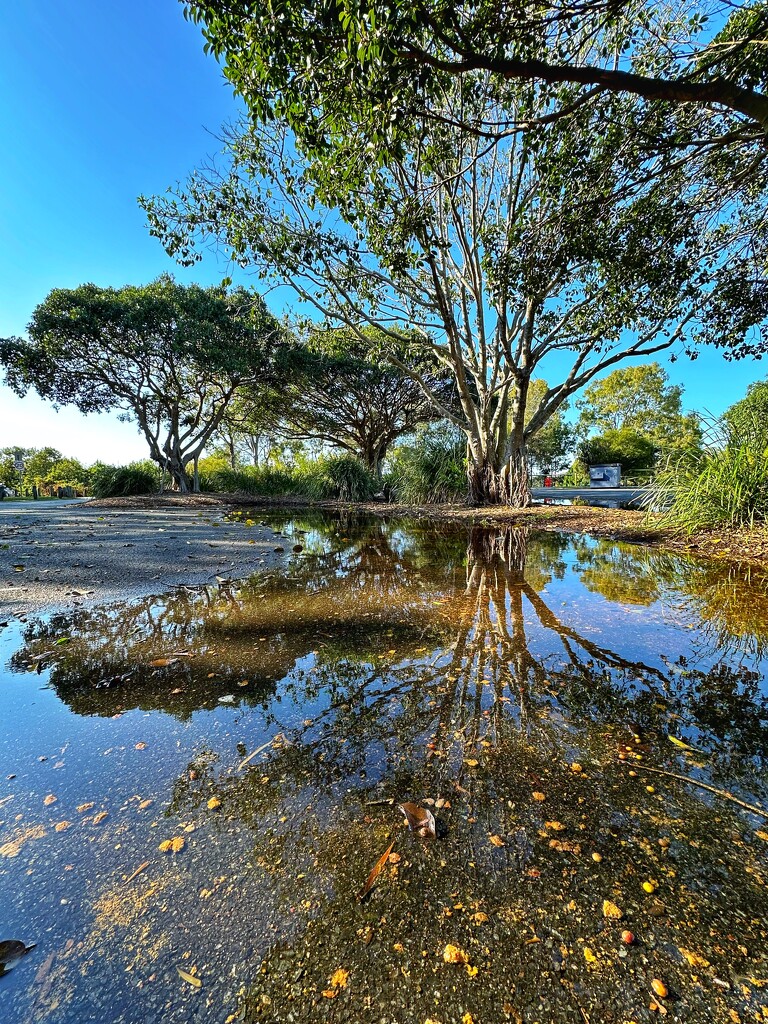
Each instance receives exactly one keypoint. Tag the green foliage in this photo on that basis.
(727, 483)
(339, 477)
(747, 420)
(628, 447)
(430, 469)
(169, 356)
(123, 481)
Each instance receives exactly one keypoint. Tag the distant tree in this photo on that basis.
(549, 448)
(747, 420)
(640, 398)
(169, 357)
(339, 390)
(9, 475)
(38, 465)
(631, 449)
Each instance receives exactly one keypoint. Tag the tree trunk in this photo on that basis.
(505, 485)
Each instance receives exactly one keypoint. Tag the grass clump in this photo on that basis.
(431, 469)
(725, 485)
(124, 481)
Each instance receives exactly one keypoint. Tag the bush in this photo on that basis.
(431, 469)
(634, 451)
(337, 476)
(122, 481)
(725, 487)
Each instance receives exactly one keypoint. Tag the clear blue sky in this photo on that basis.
(101, 100)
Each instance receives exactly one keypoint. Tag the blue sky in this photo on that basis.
(101, 100)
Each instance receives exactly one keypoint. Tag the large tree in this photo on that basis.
(640, 398)
(563, 239)
(392, 58)
(168, 356)
(340, 390)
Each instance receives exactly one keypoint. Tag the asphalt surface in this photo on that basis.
(64, 553)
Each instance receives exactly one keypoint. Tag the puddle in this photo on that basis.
(541, 694)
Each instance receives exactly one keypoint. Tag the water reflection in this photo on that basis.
(522, 683)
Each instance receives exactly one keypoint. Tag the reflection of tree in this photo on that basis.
(728, 600)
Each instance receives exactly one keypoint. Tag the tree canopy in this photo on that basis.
(639, 398)
(488, 257)
(170, 357)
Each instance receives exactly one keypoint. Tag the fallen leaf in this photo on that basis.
(339, 978)
(213, 803)
(84, 807)
(98, 818)
(762, 835)
(141, 746)
(679, 743)
(480, 917)
(137, 872)
(144, 804)
(694, 959)
(186, 976)
(62, 826)
(496, 841)
(375, 872)
(420, 819)
(554, 826)
(471, 762)
(538, 796)
(50, 799)
(589, 956)
(165, 846)
(178, 844)
(611, 911)
(162, 662)
(453, 955)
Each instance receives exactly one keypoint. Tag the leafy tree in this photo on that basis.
(640, 398)
(488, 258)
(631, 449)
(340, 391)
(290, 60)
(38, 466)
(548, 449)
(747, 420)
(169, 357)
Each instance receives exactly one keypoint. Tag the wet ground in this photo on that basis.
(197, 784)
(65, 553)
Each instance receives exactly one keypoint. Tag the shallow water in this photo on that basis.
(520, 685)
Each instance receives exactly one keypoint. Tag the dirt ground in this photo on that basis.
(615, 524)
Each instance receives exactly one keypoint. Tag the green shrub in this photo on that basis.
(634, 451)
(337, 476)
(726, 487)
(431, 469)
(122, 481)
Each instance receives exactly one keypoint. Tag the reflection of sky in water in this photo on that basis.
(370, 678)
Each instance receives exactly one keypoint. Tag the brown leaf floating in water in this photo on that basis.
(376, 871)
(420, 819)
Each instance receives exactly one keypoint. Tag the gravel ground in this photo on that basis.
(56, 555)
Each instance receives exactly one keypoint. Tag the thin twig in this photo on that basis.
(257, 751)
(703, 785)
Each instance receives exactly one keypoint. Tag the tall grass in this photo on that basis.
(725, 485)
(339, 477)
(431, 469)
(122, 481)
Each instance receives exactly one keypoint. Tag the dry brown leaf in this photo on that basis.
(141, 746)
(339, 978)
(165, 846)
(420, 819)
(496, 841)
(189, 977)
(98, 818)
(145, 804)
(538, 796)
(137, 872)
(163, 662)
(50, 799)
(84, 807)
(480, 917)
(213, 803)
(610, 910)
(178, 844)
(554, 826)
(375, 872)
(62, 826)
